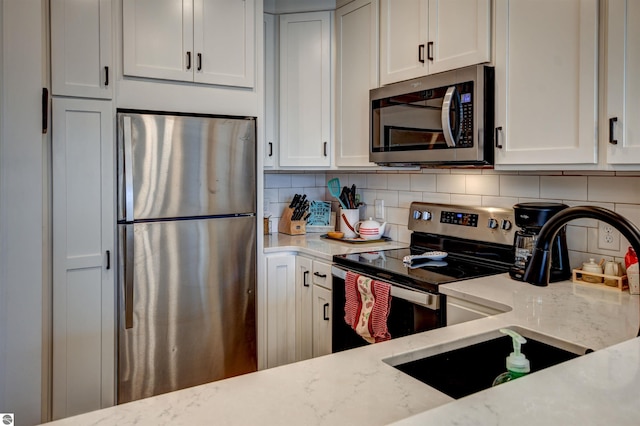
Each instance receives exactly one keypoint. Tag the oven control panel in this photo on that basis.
(490, 224)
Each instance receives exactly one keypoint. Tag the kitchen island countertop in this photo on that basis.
(359, 387)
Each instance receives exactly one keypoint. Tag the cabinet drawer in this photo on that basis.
(322, 274)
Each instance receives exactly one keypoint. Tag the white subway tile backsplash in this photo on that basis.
(399, 182)
(614, 189)
(390, 198)
(466, 200)
(423, 182)
(472, 187)
(453, 184)
(377, 181)
(436, 197)
(397, 216)
(564, 187)
(405, 198)
(277, 180)
(482, 184)
(303, 179)
(505, 202)
(520, 186)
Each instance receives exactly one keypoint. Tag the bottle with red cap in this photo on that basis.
(631, 263)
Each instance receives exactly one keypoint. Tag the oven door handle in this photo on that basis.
(428, 300)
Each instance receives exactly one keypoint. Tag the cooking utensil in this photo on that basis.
(334, 189)
(344, 196)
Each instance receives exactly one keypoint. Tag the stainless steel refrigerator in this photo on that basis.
(186, 252)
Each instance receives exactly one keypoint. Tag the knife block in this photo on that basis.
(291, 227)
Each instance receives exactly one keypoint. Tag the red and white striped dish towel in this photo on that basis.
(367, 304)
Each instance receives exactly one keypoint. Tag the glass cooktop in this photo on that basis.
(388, 265)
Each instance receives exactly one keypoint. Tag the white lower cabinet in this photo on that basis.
(281, 310)
(298, 308)
(83, 368)
(459, 310)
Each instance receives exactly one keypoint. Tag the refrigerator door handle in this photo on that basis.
(128, 169)
(128, 276)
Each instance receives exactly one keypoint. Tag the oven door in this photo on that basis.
(411, 312)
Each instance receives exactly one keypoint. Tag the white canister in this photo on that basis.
(593, 267)
(614, 269)
(348, 220)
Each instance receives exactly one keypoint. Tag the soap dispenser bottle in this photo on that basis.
(517, 363)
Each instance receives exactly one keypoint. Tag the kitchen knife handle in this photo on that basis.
(612, 122)
(128, 168)
(128, 276)
(188, 60)
(305, 276)
(325, 309)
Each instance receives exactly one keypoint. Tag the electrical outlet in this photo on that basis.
(379, 205)
(608, 237)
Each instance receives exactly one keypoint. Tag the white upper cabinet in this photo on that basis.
(622, 94)
(205, 41)
(270, 92)
(546, 82)
(305, 89)
(81, 55)
(357, 73)
(419, 37)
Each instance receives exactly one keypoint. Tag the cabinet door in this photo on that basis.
(224, 42)
(81, 63)
(546, 81)
(270, 92)
(281, 310)
(357, 73)
(403, 38)
(305, 89)
(83, 280)
(460, 33)
(157, 39)
(304, 299)
(623, 82)
(321, 321)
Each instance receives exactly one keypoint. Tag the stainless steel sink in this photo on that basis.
(467, 366)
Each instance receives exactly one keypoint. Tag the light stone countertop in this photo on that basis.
(324, 248)
(359, 387)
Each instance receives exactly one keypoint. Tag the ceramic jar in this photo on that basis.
(593, 267)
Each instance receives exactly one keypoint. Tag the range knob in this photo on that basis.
(426, 215)
(505, 224)
(493, 223)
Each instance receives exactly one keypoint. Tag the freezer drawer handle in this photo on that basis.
(325, 308)
(128, 276)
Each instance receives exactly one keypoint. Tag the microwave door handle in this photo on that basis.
(447, 129)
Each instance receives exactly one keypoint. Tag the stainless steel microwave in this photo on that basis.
(443, 119)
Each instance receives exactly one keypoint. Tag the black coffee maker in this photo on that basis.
(530, 217)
